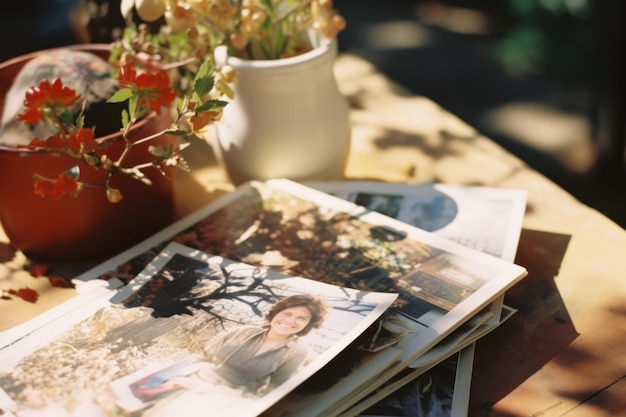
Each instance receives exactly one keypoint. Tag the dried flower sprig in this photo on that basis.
(174, 64)
(251, 29)
(144, 92)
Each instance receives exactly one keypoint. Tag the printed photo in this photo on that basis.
(484, 218)
(193, 334)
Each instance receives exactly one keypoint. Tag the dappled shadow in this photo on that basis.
(294, 236)
(460, 72)
(389, 138)
(601, 399)
(583, 362)
(392, 138)
(532, 337)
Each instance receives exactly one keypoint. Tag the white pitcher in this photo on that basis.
(288, 119)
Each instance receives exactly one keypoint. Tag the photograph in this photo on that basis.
(195, 333)
(276, 229)
(484, 218)
(428, 395)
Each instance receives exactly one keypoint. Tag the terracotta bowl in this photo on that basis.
(88, 226)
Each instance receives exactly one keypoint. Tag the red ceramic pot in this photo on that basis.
(86, 227)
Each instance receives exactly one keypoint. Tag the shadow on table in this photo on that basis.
(532, 337)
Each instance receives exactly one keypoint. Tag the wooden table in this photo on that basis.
(564, 353)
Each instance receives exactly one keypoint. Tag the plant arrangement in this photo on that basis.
(249, 29)
(166, 61)
(51, 102)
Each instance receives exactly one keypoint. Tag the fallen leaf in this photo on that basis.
(59, 282)
(25, 294)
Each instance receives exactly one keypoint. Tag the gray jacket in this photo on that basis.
(234, 360)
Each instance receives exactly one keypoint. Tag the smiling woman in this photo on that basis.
(246, 361)
(256, 358)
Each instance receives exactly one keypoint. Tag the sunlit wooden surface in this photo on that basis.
(563, 353)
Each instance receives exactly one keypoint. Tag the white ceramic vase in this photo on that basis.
(288, 119)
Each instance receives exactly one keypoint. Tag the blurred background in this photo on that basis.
(543, 78)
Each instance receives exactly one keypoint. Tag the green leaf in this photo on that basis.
(121, 95)
(181, 104)
(279, 42)
(266, 25)
(203, 85)
(133, 103)
(125, 119)
(80, 122)
(204, 79)
(211, 105)
(161, 151)
(92, 159)
(73, 172)
(268, 5)
(177, 132)
(205, 69)
(225, 89)
(66, 117)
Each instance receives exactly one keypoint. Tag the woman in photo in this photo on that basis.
(249, 359)
(255, 358)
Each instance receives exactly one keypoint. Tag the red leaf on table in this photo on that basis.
(26, 294)
(59, 282)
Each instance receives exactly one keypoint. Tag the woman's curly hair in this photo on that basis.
(318, 308)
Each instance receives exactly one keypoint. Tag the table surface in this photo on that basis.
(563, 353)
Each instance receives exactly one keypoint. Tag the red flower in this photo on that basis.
(56, 188)
(83, 139)
(53, 97)
(52, 143)
(153, 88)
(127, 76)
